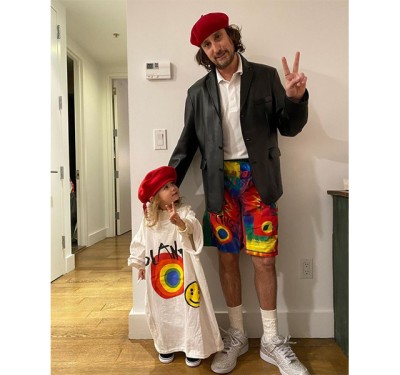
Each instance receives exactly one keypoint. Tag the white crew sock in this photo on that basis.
(235, 315)
(270, 323)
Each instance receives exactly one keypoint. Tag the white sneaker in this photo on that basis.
(166, 358)
(235, 344)
(192, 362)
(278, 352)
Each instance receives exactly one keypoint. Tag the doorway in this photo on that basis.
(77, 240)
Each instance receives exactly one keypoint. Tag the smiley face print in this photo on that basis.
(192, 294)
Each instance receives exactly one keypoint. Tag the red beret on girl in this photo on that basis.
(154, 181)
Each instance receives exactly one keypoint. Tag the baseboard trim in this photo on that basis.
(70, 263)
(316, 324)
(97, 236)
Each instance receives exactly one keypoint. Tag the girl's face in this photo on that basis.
(168, 194)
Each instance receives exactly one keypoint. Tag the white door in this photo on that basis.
(122, 162)
(57, 252)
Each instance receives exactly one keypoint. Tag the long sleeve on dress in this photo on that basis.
(192, 236)
(138, 248)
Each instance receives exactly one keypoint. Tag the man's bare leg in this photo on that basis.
(229, 274)
(265, 282)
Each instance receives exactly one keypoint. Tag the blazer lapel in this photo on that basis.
(212, 87)
(247, 77)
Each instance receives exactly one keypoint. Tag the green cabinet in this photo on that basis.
(340, 261)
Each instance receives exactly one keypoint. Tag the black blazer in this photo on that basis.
(264, 109)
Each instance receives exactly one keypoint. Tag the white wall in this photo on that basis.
(312, 163)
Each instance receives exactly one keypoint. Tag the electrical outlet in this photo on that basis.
(306, 268)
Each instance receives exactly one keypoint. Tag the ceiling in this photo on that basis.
(93, 23)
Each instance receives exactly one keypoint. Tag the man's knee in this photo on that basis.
(266, 264)
(228, 261)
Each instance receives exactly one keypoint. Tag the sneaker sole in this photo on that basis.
(192, 363)
(270, 360)
(226, 370)
(166, 360)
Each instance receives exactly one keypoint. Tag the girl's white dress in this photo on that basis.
(179, 310)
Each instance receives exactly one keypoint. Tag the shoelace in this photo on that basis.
(283, 348)
(229, 341)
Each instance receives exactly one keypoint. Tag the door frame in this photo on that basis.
(123, 193)
(111, 230)
(57, 183)
(81, 188)
(61, 81)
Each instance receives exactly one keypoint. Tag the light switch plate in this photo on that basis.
(160, 139)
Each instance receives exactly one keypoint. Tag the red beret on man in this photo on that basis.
(154, 181)
(206, 25)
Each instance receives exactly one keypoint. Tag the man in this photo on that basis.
(233, 115)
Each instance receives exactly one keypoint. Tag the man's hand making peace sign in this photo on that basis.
(295, 84)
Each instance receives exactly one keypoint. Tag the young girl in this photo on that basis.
(166, 251)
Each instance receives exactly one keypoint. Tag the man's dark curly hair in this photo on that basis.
(233, 32)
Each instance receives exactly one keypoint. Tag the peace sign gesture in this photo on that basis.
(295, 84)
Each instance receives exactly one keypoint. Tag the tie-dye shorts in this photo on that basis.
(246, 222)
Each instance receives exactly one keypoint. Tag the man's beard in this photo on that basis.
(223, 64)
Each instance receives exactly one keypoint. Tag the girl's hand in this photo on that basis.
(141, 274)
(174, 217)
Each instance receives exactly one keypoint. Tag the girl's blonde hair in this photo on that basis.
(152, 210)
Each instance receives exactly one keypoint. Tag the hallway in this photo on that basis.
(89, 325)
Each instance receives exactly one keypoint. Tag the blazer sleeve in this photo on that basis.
(292, 116)
(187, 145)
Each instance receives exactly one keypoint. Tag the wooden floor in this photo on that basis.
(89, 326)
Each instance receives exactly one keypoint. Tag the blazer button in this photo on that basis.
(220, 147)
(247, 139)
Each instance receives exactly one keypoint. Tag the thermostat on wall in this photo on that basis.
(158, 70)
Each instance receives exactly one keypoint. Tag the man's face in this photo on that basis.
(219, 49)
